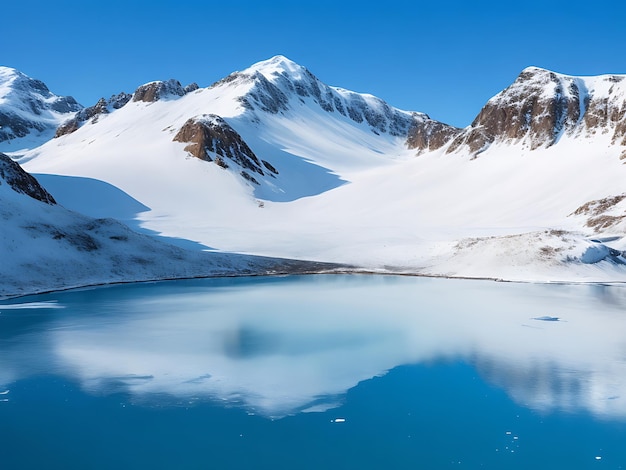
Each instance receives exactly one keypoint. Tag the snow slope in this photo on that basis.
(348, 188)
(45, 246)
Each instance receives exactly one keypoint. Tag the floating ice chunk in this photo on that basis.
(339, 420)
(6, 392)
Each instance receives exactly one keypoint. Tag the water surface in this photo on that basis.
(314, 372)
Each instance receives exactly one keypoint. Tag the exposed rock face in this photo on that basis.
(92, 113)
(29, 106)
(602, 213)
(278, 84)
(211, 138)
(21, 181)
(191, 87)
(607, 113)
(150, 92)
(427, 134)
(542, 106)
(154, 91)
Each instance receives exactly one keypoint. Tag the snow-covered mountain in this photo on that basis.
(281, 116)
(575, 115)
(541, 107)
(279, 85)
(272, 161)
(29, 112)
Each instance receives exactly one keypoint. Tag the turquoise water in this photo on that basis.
(315, 372)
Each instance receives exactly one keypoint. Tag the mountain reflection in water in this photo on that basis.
(281, 345)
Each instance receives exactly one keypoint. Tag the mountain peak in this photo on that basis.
(29, 108)
(279, 85)
(540, 76)
(534, 70)
(12, 81)
(277, 65)
(7, 73)
(542, 106)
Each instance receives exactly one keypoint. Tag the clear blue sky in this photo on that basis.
(444, 58)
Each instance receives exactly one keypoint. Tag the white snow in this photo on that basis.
(345, 193)
(46, 247)
(277, 65)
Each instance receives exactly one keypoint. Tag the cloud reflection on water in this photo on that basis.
(284, 345)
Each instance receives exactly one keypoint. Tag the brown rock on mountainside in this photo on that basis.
(21, 181)
(92, 113)
(154, 91)
(427, 135)
(601, 212)
(150, 92)
(210, 135)
(608, 112)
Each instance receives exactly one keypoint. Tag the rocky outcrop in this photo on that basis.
(154, 91)
(22, 182)
(601, 213)
(537, 110)
(541, 106)
(150, 92)
(608, 113)
(426, 134)
(210, 138)
(14, 126)
(191, 87)
(27, 106)
(92, 113)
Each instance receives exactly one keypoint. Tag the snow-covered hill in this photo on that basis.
(45, 246)
(272, 161)
(29, 112)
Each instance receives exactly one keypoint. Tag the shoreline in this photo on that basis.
(338, 270)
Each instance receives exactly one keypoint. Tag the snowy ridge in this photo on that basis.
(275, 84)
(277, 109)
(93, 113)
(542, 106)
(29, 112)
(160, 90)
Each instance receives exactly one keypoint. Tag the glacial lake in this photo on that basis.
(313, 372)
